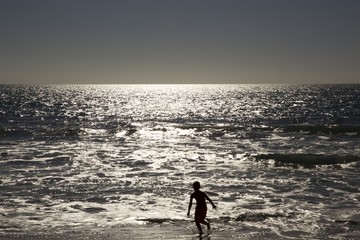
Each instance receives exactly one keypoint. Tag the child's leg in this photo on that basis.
(207, 224)
(199, 227)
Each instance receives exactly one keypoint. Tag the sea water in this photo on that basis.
(282, 159)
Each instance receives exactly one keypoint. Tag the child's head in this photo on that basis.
(196, 185)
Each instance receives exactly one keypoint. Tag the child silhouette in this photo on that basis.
(201, 209)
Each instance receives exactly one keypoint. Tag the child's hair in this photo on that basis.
(196, 185)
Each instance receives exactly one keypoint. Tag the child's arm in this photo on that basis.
(190, 204)
(206, 196)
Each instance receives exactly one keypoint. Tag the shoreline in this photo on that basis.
(182, 230)
(149, 231)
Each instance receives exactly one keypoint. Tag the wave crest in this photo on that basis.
(308, 159)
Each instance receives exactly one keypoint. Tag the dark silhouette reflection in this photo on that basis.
(201, 208)
(202, 237)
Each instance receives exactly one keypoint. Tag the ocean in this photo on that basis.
(281, 159)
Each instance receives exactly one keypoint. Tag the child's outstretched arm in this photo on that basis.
(213, 205)
(190, 204)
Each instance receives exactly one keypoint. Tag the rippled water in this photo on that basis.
(276, 158)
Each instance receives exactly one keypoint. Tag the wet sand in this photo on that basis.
(134, 232)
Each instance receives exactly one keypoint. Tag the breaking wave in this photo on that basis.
(308, 159)
(323, 129)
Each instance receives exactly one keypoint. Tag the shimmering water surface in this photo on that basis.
(275, 158)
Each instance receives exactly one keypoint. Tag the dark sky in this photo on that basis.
(180, 41)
